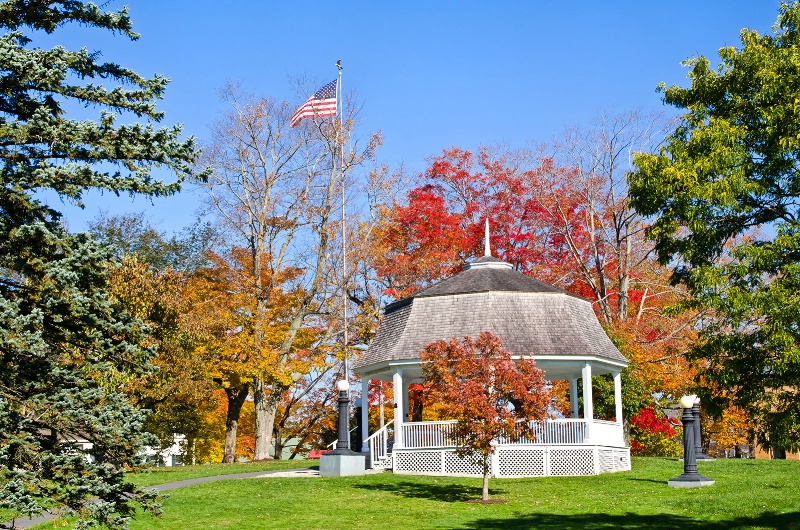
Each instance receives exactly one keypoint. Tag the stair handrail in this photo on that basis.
(376, 433)
(378, 444)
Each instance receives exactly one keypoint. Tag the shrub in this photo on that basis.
(653, 435)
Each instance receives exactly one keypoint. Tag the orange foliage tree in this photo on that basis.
(486, 391)
(307, 412)
(224, 315)
(211, 447)
(729, 431)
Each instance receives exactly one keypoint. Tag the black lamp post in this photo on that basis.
(690, 477)
(343, 443)
(698, 444)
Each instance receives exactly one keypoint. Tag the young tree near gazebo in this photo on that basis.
(481, 386)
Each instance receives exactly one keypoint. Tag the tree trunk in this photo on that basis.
(416, 409)
(236, 398)
(486, 464)
(266, 411)
(624, 265)
(622, 308)
(264, 420)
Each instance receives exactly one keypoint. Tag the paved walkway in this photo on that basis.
(27, 522)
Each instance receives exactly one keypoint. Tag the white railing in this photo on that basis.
(378, 443)
(607, 433)
(556, 432)
(429, 434)
(420, 434)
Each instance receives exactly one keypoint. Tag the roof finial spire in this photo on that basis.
(487, 251)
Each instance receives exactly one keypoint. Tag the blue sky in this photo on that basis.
(430, 74)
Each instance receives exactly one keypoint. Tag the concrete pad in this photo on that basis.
(333, 465)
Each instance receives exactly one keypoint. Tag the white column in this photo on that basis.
(364, 414)
(618, 396)
(397, 390)
(573, 397)
(406, 402)
(588, 410)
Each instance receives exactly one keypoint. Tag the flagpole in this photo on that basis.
(340, 108)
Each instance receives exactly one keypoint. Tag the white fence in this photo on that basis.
(420, 434)
(516, 461)
(567, 446)
(607, 433)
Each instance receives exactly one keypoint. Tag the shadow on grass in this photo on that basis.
(788, 521)
(435, 492)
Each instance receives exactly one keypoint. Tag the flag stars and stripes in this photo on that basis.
(320, 105)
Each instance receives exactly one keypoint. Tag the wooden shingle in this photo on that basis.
(530, 316)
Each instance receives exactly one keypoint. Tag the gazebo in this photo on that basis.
(558, 329)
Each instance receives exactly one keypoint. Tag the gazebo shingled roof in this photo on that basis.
(530, 316)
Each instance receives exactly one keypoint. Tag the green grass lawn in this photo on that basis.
(747, 494)
(162, 475)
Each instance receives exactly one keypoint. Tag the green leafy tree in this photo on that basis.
(134, 236)
(67, 433)
(725, 193)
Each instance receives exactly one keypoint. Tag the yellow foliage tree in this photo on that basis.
(176, 394)
(239, 343)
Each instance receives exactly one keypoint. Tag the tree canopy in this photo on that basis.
(67, 433)
(725, 194)
(491, 395)
(560, 213)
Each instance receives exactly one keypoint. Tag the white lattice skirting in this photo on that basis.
(516, 461)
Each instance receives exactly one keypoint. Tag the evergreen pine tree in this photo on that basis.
(67, 433)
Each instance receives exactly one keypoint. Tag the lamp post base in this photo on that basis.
(342, 464)
(692, 480)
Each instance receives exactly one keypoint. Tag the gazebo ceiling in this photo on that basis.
(530, 316)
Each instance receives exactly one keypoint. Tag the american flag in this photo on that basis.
(321, 104)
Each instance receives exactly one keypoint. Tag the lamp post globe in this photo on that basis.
(687, 401)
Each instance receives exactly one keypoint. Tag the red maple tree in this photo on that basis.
(491, 396)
